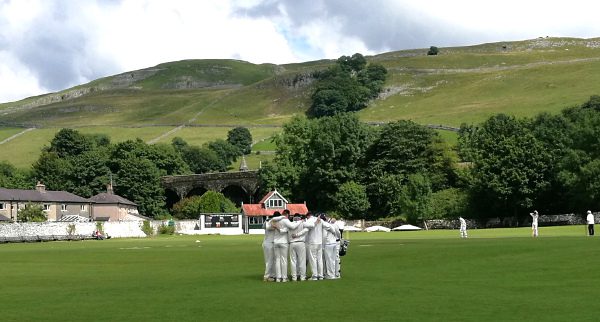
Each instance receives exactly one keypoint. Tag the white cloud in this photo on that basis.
(54, 44)
(16, 81)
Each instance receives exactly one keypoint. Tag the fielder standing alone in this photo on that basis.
(590, 221)
(463, 227)
(534, 223)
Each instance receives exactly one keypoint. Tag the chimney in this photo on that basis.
(109, 187)
(40, 187)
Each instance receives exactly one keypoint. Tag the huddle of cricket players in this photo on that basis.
(311, 239)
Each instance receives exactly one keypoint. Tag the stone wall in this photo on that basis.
(116, 229)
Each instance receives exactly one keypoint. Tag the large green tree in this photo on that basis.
(69, 142)
(241, 138)
(314, 157)
(352, 201)
(402, 149)
(510, 168)
(138, 179)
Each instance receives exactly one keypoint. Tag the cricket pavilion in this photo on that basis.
(254, 215)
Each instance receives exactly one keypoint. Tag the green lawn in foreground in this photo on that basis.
(497, 275)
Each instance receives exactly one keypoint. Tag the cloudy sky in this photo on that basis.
(50, 45)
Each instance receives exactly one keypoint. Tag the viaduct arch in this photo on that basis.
(238, 186)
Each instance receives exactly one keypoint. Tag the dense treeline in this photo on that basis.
(502, 167)
(84, 164)
(549, 162)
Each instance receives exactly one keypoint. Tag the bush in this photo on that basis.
(100, 227)
(147, 228)
(433, 50)
(166, 229)
(32, 212)
(449, 203)
(71, 229)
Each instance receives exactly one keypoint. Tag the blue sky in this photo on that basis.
(50, 45)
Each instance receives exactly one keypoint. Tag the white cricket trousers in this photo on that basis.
(315, 260)
(338, 260)
(269, 254)
(281, 263)
(330, 260)
(298, 260)
(463, 232)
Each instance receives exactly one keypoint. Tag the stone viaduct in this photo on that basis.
(239, 186)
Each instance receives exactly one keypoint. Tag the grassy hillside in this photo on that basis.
(461, 84)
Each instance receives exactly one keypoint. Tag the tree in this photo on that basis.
(416, 198)
(384, 195)
(449, 203)
(402, 149)
(314, 157)
(433, 50)
(13, 178)
(333, 151)
(346, 86)
(215, 202)
(53, 171)
(241, 138)
(138, 179)
(31, 213)
(164, 156)
(226, 152)
(69, 142)
(202, 160)
(89, 173)
(373, 77)
(352, 201)
(355, 63)
(510, 167)
(187, 208)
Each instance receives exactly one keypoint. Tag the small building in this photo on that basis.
(254, 215)
(56, 204)
(111, 207)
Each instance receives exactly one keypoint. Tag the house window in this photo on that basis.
(46, 207)
(275, 203)
(63, 207)
(1, 206)
(82, 207)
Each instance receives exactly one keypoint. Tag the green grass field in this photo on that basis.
(495, 275)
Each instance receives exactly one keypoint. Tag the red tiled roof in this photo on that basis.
(258, 210)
